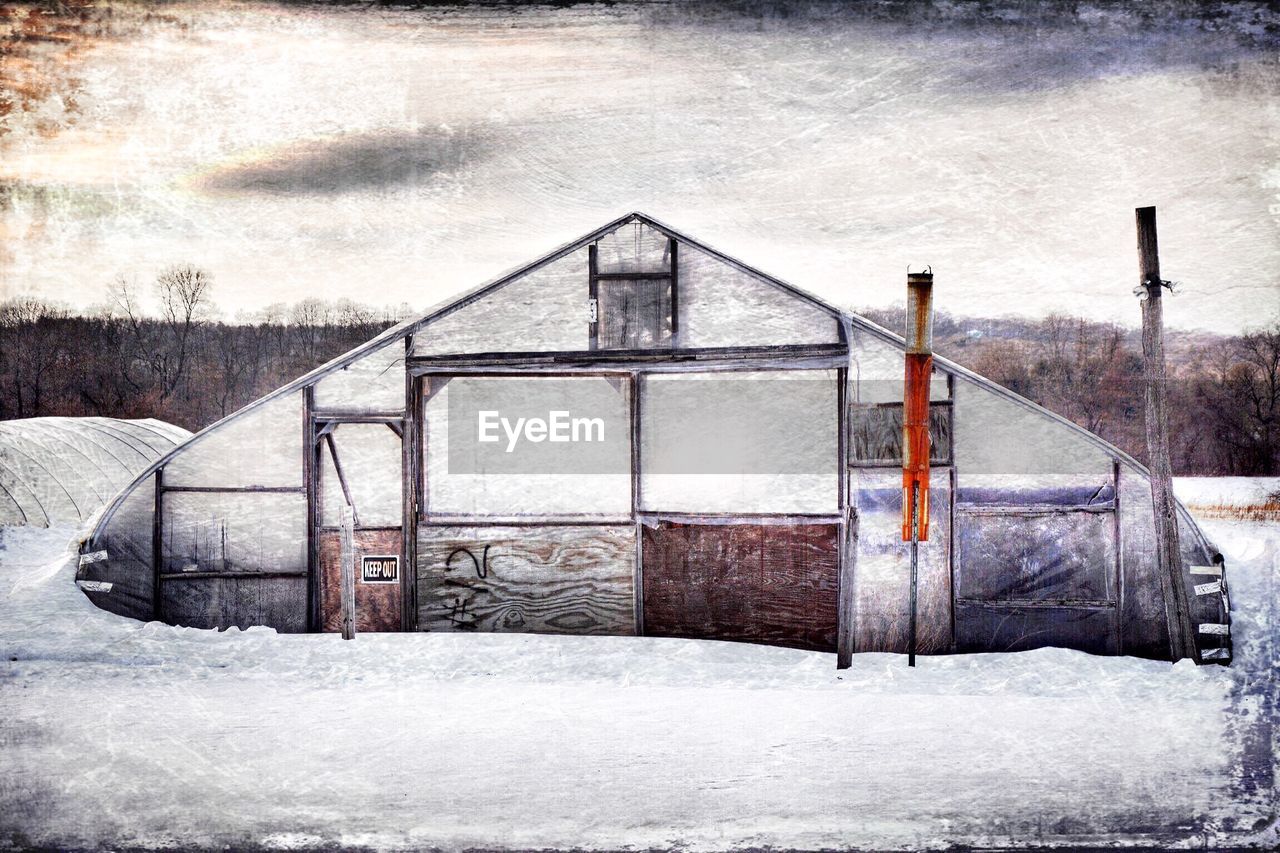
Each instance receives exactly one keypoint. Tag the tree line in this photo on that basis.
(164, 351)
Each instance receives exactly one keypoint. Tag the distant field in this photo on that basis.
(1244, 498)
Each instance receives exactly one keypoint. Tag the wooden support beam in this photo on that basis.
(310, 465)
(675, 292)
(1182, 642)
(231, 490)
(157, 542)
(593, 294)
(411, 486)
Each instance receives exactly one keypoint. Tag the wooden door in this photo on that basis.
(376, 558)
(764, 583)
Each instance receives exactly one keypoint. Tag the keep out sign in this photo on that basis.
(380, 569)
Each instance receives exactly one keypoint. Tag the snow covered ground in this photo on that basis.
(122, 734)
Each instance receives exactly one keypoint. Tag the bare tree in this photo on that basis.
(183, 293)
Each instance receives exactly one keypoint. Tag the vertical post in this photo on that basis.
(847, 553)
(157, 543)
(1169, 558)
(593, 297)
(310, 456)
(915, 430)
(408, 493)
(348, 574)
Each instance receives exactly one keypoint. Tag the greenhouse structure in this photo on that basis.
(639, 435)
(62, 470)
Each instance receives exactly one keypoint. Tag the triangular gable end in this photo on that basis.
(653, 289)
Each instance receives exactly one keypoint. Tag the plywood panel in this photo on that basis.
(377, 604)
(773, 584)
(540, 580)
(882, 587)
(875, 434)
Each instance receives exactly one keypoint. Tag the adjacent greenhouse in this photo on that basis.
(63, 470)
(637, 434)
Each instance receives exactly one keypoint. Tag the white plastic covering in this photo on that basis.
(722, 306)
(999, 443)
(876, 369)
(260, 447)
(373, 383)
(370, 455)
(464, 478)
(752, 442)
(545, 310)
(62, 470)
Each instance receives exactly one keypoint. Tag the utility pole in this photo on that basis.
(1182, 642)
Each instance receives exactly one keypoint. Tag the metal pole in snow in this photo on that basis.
(915, 431)
(915, 558)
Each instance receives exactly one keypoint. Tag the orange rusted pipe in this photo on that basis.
(915, 404)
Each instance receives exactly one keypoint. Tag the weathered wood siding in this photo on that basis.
(883, 574)
(225, 602)
(763, 583)
(540, 580)
(377, 604)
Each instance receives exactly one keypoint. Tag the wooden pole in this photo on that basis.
(1169, 557)
(348, 574)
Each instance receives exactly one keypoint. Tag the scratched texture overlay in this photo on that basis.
(389, 153)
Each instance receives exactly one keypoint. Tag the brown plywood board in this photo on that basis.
(763, 583)
(535, 579)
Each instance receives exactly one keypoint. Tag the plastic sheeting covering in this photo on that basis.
(512, 476)
(372, 383)
(722, 306)
(758, 442)
(544, 310)
(63, 470)
(370, 456)
(259, 447)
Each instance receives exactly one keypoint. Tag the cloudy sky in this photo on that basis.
(390, 154)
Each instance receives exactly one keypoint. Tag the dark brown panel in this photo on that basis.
(763, 583)
(377, 604)
(538, 580)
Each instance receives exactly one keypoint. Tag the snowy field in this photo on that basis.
(121, 734)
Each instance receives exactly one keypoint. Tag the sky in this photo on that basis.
(389, 154)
